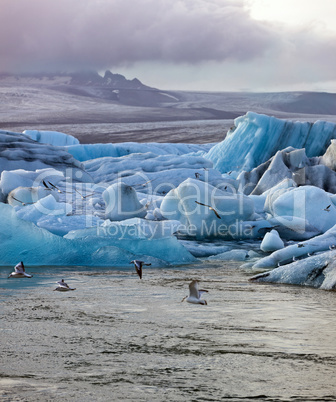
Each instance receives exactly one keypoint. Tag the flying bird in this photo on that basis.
(19, 271)
(143, 184)
(63, 287)
(327, 208)
(21, 202)
(84, 196)
(138, 266)
(195, 294)
(210, 207)
(197, 175)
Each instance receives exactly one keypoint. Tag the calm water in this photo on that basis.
(118, 338)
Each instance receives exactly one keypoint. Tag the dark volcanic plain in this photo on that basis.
(106, 109)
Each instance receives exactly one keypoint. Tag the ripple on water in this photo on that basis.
(252, 342)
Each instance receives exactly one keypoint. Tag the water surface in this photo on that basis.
(121, 338)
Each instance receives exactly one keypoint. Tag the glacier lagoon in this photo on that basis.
(66, 203)
(65, 212)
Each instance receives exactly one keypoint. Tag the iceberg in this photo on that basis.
(51, 137)
(206, 211)
(304, 249)
(23, 240)
(85, 152)
(17, 151)
(318, 271)
(13, 179)
(268, 185)
(122, 202)
(271, 242)
(255, 138)
(305, 209)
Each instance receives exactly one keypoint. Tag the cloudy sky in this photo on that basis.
(224, 45)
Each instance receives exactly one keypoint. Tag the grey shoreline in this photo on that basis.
(93, 133)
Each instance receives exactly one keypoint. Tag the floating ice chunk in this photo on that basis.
(233, 255)
(122, 202)
(258, 137)
(22, 240)
(22, 178)
(220, 215)
(129, 229)
(63, 224)
(294, 251)
(317, 271)
(108, 169)
(199, 249)
(24, 153)
(312, 205)
(286, 164)
(51, 137)
(160, 183)
(84, 152)
(259, 202)
(49, 214)
(29, 195)
(271, 242)
(44, 206)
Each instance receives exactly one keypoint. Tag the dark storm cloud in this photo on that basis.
(40, 34)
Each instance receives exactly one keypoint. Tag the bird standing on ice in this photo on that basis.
(63, 287)
(138, 266)
(19, 272)
(195, 294)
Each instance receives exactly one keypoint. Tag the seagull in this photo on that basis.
(19, 272)
(210, 207)
(300, 245)
(197, 175)
(53, 187)
(21, 202)
(143, 184)
(327, 208)
(195, 294)
(63, 287)
(332, 247)
(84, 196)
(138, 266)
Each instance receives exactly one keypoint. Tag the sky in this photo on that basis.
(207, 45)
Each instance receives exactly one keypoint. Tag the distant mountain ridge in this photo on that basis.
(40, 100)
(86, 78)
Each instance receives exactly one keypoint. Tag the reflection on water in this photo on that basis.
(120, 338)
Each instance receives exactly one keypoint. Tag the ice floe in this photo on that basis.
(265, 196)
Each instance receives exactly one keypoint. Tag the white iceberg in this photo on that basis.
(221, 215)
(271, 242)
(122, 203)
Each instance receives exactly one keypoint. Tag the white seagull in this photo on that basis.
(138, 266)
(19, 272)
(195, 294)
(63, 287)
